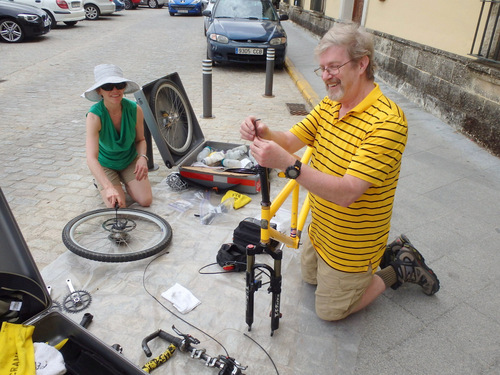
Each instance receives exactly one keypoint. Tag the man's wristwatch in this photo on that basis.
(293, 171)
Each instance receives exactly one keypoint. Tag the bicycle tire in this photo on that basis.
(173, 118)
(86, 235)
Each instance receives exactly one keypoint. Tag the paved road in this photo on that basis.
(43, 171)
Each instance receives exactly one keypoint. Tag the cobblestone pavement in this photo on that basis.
(44, 174)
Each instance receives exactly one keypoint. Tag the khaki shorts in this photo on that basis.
(124, 176)
(337, 292)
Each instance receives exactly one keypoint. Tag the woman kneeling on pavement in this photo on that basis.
(115, 143)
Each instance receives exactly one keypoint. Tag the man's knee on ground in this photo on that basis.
(331, 314)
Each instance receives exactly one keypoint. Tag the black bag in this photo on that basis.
(232, 257)
(21, 298)
(248, 233)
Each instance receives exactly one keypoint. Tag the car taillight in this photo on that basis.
(62, 4)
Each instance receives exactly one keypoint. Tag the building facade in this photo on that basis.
(442, 54)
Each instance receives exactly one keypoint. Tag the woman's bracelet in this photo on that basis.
(144, 156)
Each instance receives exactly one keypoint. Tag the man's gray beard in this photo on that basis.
(338, 95)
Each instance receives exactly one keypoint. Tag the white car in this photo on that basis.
(206, 20)
(67, 11)
(96, 8)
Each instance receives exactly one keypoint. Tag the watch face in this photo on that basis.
(292, 173)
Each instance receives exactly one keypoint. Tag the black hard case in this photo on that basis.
(244, 183)
(84, 353)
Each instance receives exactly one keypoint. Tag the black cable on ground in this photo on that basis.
(173, 313)
(192, 325)
(264, 350)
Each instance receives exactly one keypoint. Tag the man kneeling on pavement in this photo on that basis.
(358, 136)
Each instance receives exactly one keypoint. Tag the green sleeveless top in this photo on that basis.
(116, 150)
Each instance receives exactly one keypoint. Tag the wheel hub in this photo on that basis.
(119, 228)
(168, 119)
(120, 238)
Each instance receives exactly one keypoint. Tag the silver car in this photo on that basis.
(96, 8)
(153, 3)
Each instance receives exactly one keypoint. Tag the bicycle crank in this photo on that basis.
(76, 300)
(56, 306)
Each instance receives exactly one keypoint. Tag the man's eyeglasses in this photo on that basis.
(111, 86)
(332, 70)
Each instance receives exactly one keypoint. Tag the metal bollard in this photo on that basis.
(207, 89)
(269, 72)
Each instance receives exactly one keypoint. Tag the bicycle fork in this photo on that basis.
(252, 283)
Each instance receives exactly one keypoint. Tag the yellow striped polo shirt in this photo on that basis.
(368, 143)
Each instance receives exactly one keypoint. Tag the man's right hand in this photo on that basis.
(252, 127)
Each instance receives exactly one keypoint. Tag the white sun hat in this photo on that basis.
(108, 73)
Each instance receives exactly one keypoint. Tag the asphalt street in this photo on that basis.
(447, 203)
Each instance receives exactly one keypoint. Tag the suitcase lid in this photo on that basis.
(19, 274)
(145, 97)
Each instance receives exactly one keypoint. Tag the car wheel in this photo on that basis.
(11, 31)
(53, 22)
(153, 4)
(209, 58)
(70, 23)
(128, 4)
(171, 13)
(91, 12)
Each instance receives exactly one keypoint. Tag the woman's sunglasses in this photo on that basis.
(111, 86)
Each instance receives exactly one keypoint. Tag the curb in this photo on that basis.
(304, 87)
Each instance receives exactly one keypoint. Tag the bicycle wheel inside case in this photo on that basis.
(171, 111)
(125, 235)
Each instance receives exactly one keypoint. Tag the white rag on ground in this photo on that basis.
(182, 298)
(48, 360)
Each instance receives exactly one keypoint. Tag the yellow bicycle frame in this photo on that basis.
(297, 220)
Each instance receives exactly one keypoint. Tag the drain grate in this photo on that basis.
(297, 109)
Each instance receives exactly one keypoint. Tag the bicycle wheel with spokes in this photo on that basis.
(108, 235)
(171, 110)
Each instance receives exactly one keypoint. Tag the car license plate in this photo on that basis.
(75, 4)
(250, 51)
(183, 11)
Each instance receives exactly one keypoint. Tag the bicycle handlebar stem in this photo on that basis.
(227, 365)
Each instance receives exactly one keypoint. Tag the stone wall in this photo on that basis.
(461, 91)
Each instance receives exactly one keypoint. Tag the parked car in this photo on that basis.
(154, 3)
(242, 30)
(119, 5)
(131, 4)
(185, 7)
(67, 11)
(206, 20)
(95, 8)
(19, 21)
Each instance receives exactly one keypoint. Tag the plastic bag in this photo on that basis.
(209, 212)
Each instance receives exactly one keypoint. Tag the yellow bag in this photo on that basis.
(240, 200)
(17, 353)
